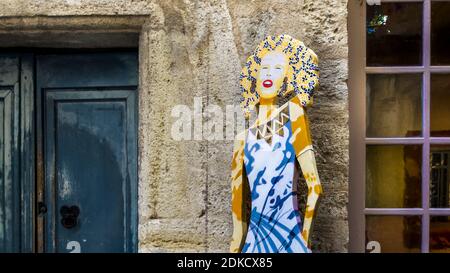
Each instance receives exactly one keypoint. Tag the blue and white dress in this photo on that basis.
(275, 224)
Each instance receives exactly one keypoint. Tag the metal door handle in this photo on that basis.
(69, 216)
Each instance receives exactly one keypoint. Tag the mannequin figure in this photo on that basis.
(267, 154)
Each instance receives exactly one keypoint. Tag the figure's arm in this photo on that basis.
(237, 197)
(305, 154)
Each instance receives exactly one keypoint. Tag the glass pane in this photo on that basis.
(440, 33)
(393, 176)
(440, 105)
(439, 177)
(398, 234)
(440, 234)
(394, 105)
(394, 34)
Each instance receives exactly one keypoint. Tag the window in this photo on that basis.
(399, 126)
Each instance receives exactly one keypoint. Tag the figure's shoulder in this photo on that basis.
(296, 109)
(292, 108)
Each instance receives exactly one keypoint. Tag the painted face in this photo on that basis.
(271, 74)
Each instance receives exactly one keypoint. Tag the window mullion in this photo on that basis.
(426, 126)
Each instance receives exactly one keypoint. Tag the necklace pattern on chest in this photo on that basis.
(273, 127)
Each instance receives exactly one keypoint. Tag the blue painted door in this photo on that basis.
(88, 112)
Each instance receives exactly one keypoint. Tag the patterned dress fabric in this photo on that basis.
(275, 223)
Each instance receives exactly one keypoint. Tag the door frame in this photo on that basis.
(358, 71)
(99, 31)
(29, 132)
(357, 151)
(41, 190)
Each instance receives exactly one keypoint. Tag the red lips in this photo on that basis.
(267, 83)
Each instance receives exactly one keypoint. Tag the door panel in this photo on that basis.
(16, 154)
(87, 167)
(90, 148)
(8, 181)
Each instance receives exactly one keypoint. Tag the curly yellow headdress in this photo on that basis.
(302, 76)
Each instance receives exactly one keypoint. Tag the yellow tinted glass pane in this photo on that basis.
(393, 176)
(394, 105)
(398, 234)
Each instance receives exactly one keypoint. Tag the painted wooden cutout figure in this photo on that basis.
(266, 154)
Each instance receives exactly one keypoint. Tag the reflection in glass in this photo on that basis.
(440, 234)
(393, 176)
(394, 105)
(439, 177)
(394, 34)
(440, 105)
(398, 234)
(440, 33)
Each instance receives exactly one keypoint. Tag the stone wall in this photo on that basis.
(195, 49)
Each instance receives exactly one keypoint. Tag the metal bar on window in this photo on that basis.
(392, 211)
(401, 1)
(426, 126)
(440, 140)
(394, 69)
(440, 69)
(439, 212)
(395, 141)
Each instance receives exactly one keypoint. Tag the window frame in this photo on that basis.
(357, 123)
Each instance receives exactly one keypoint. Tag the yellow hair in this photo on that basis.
(302, 76)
